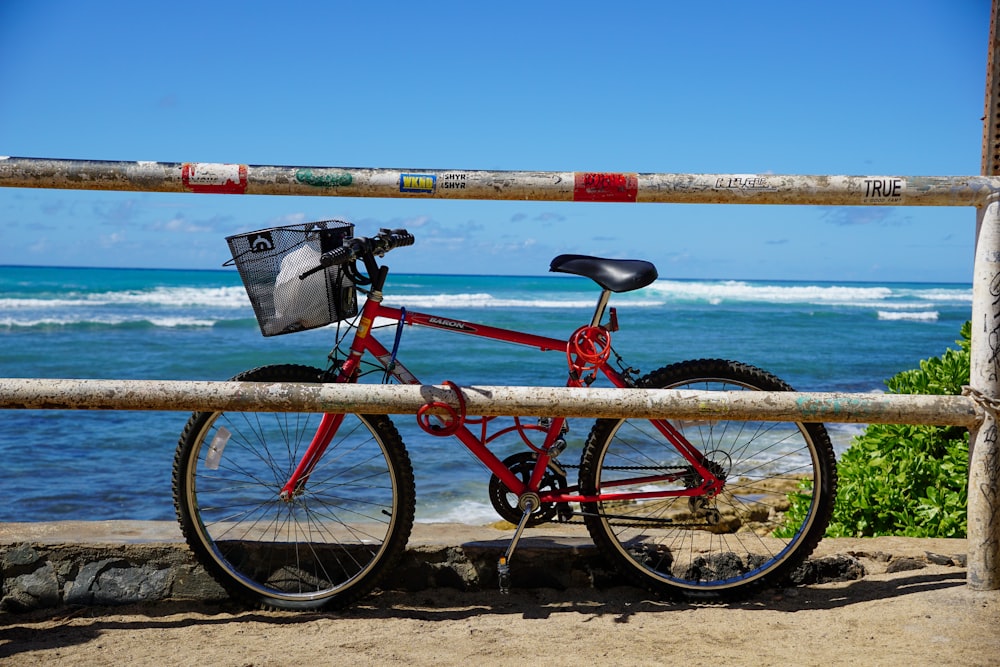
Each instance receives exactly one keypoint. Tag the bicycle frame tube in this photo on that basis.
(328, 426)
(543, 343)
(364, 342)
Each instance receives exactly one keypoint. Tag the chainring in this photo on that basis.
(505, 502)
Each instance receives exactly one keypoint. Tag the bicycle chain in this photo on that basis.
(629, 524)
(634, 523)
(659, 468)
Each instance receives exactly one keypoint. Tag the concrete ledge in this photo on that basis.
(44, 565)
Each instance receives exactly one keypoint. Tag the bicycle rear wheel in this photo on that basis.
(329, 544)
(701, 546)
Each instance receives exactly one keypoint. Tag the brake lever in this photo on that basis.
(303, 276)
(340, 255)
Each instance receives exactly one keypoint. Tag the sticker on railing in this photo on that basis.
(885, 190)
(454, 181)
(223, 179)
(591, 186)
(745, 183)
(417, 183)
(324, 178)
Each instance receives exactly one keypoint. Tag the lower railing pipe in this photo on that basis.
(68, 394)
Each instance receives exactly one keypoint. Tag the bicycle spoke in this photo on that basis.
(327, 542)
(696, 543)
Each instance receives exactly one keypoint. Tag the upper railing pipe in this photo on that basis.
(215, 178)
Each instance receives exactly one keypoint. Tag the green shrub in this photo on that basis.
(902, 479)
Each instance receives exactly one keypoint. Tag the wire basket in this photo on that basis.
(270, 262)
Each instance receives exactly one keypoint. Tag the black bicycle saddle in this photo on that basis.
(617, 275)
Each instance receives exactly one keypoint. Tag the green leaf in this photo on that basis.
(904, 479)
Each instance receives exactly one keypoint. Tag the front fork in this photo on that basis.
(328, 427)
(348, 373)
(321, 440)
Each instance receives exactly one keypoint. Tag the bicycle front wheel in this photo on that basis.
(780, 483)
(328, 544)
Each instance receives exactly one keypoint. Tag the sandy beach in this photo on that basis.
(921, 616)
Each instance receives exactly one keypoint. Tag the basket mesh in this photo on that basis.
(270, 262)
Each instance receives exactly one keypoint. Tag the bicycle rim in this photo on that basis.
(331, 542)
(718, 546)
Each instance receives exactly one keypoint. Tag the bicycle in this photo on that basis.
(302, 511)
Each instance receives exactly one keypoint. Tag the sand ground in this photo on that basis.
(927, 616)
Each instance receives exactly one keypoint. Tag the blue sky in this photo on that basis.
(787, 87)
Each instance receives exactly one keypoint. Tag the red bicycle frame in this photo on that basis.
(364, 342)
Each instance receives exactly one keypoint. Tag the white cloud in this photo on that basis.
(111, 240)
(42, 245)
(179, 224)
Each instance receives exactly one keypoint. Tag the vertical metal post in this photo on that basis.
(991, 114)
(984, 455)
(984, 452)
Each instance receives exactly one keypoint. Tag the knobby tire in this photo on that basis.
(326, 547)
(710, 547)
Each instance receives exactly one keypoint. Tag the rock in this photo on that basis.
(938, 559)
(111, 581)
(20, 554)
(904, 565)
(27, 592)
(839, 567)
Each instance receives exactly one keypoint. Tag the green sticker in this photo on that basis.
(323, 179)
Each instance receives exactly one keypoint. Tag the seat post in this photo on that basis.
(602, 303)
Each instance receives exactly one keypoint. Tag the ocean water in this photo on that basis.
(198, 325)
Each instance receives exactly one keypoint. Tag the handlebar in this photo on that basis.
(362, 247)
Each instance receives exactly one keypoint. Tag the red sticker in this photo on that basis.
(589, 186)
(223, 179)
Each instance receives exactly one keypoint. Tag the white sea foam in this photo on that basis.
(921, 316)
(738, 290)
(942, 294)
(35, 304)
(864, 296)
(469, 512)
(216, 297)
(11, 322)
(104, 320)
(180, 322)
(481, 300)
(484, 300)
(656, 295)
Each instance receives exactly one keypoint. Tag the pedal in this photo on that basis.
(528, 502)
(503, 574)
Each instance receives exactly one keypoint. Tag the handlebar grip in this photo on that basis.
(340, 255)
(383, 242)
(390, 239)
(396, 238)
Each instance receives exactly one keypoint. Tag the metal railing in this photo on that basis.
(211, 178)
(35, 394)
(977, 411)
